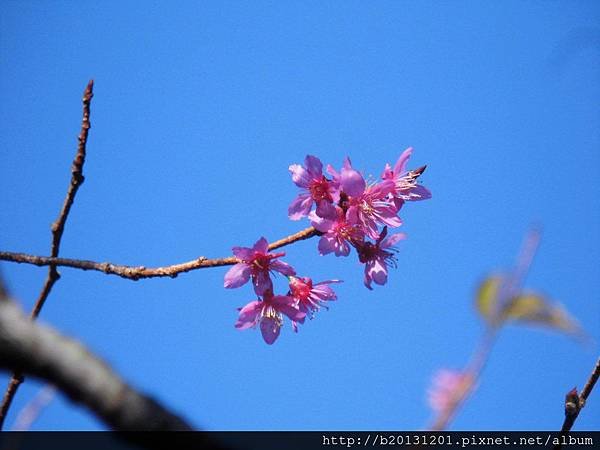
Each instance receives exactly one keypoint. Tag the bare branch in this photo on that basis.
(591, 382)
(574, 402)
(77, 179)
(39, 351)
(139, 272)
(57, 228)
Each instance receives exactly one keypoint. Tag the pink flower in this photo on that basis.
(446, 386)
(378, 256)
(256, 263)
(318, 189)
(373, 207)
(406, 187)
(338, 234)
(368, 206)
(311, 297)
(269, 314)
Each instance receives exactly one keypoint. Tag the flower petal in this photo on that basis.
(238, 275)
(328, 282)
(342, 248)
(369, 226)
(398, 203)
(352, 182)
(293, 313)
(262, 245)
(286, 305)
(270, 329)
(392, 240)
(419, 192)
(334, 173)
(262, 282)
(388, 217)
(326, 210)
(300, 176)
(381, 189)
(321, 224)
(400, 166)
(378, 271)
(243, 253)
(324, 292)
(300, 207)
(368, 280)
(327, 244)
(313, 166)
(387, 173)
(282, 267)
(280, 300)
(248, 313)
(352, 215)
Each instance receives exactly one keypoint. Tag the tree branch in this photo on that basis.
(574, 403)
(41, 352)
(57, 228)
(139, 272)
(77, 179)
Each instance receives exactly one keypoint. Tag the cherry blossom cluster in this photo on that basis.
(303, 298)
(350, 212)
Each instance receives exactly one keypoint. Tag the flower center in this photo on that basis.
(261, 261)
(300, 289)
(319, 189)
(367, 252)
(271, 313)
(366, 208)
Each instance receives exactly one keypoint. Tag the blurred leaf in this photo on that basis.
(536, 309)
(527, 307)
(487, 297)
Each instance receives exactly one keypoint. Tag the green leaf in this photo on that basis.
(487, 297)
(527, 307)
(536, 309)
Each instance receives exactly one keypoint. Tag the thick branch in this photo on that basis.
(139, 272)
(57, 228)
(41, 352)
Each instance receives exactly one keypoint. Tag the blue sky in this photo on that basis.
(200, 108)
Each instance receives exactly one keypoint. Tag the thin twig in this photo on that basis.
(139, 272)
(77, 179)
(471, 380)
(57, 228)
(574, 403)
(589, 385)
(508, 290)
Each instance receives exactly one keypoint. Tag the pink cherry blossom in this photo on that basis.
(406, 187)
(378, 256)
(338, 234)
(373, 207)
(256, 263)
(311, 297)
(445, 388)
(365, 205)
(317, 189)
(268, 314)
